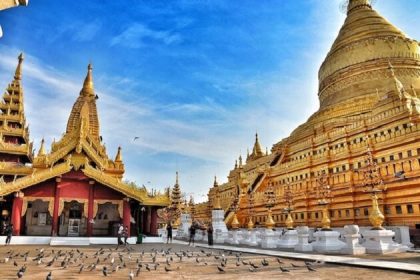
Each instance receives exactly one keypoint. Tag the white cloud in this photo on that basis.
(137, 34)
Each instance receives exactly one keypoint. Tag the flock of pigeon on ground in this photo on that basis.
(133, 262)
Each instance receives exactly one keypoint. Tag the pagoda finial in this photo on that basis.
(240, 160)
(236, 164)
(118, 157)
(353, 4)
(18, 72)
(41, 151)
(88, 83)
(177, 179)
(215, 184)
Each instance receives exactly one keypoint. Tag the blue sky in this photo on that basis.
(193, 79)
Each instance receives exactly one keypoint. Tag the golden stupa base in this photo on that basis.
(326, 222)
(289, 222)
(269, 224)
(376, 217)
(250, 224)
(235, 223)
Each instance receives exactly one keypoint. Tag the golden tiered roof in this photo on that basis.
(81, 148)
(86, 100)
(13, 121)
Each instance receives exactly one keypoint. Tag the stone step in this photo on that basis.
(69, 241)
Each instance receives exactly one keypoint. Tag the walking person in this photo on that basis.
(120, 234)
(168, 233)
(192, 234)
(210, 235)
(125, 234)
(9, 233)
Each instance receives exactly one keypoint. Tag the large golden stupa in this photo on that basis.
(368, 86)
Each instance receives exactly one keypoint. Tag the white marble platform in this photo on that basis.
(341, 260)
(73, 241)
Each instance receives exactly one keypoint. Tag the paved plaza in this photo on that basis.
(173, 261)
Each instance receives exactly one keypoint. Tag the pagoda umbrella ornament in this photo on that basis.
(251, 204)
(324, 197)
(288, 198)
(373, 184)
(270, 201)
(234, 208)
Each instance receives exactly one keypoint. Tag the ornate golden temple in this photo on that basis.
(369, 86)
(75, 182)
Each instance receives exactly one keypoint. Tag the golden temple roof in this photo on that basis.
(87, 98)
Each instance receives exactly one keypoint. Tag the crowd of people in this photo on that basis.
(192, 231)
(122, 234)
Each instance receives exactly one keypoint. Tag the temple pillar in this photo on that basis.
(153, 221)
(17, 212)
(90, 209)
(126, 213)
(144, 220)
(148, 219)
(54, 228)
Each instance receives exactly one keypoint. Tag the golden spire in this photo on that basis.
(215, 184)
(41, 151)
(256, 151)
(353, 4)
(18, 72)
(177, 179)
(88, 83)
(118, 157)
(240, 160)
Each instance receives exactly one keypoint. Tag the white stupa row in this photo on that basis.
(347, 240)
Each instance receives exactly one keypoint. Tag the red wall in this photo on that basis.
(73, 184)
(44, 189)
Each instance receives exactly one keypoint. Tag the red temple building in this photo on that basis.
(75, 189)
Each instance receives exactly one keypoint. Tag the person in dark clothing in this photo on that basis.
(9, 233)
(125, 234)
(192, 234)
(210, 235)
(168, 233)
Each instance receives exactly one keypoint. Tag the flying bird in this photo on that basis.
(135, 138)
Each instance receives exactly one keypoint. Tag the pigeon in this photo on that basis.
(400, 175)
(264, 262)
(279, 261)
(15, 263)
(105, 271)
(251, 269)
(310, 268)
(131, 275)
(221, 269)
(138, 271)
(19, 273)
(167, 269)
(284, 269)
(49, 276)
(81, 268)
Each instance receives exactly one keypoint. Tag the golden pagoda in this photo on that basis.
(368, 86)
(15, 147)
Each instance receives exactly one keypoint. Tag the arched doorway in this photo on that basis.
(73, 219)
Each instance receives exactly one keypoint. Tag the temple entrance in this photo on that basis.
(37, 218)
(75, 216)
(73, 219)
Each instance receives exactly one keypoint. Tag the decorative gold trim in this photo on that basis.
(96, 203)
(26, 199)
